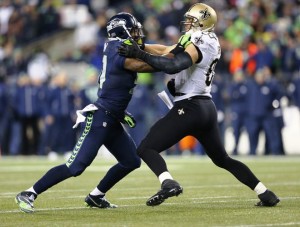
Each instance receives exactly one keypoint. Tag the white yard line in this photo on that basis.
(208, 200)
(263, 225)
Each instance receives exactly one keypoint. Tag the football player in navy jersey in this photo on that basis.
(194, 112)
(102, 121)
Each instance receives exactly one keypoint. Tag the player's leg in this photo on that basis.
(121, 145)
(83, 154)
(216, 151)
(163, 134)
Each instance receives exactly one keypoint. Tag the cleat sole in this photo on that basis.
(159, 199)
(24, 207)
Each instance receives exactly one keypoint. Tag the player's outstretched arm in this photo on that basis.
(181, 60)
(137, 65)
(158, 49)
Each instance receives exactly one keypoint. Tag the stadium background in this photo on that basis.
(48, 44)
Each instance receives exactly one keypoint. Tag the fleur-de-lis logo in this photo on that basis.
(204, 14)
(180, 111)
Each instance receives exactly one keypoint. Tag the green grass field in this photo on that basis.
(211, 197)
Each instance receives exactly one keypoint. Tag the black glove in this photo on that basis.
(171, 87)
(130, 49)
(183, 42)
(129, 120)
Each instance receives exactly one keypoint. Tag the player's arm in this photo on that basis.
(181, 60)
(158, 49)
(137, 65)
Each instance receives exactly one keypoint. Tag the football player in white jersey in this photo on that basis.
(194, 112)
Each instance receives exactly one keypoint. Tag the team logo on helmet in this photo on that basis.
(204, 14)
(117, 22)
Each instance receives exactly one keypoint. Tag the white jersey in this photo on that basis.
(196, 80)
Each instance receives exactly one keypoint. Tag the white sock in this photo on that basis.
(260, 188)
(96, 191)
(164, 176)
(31, 190)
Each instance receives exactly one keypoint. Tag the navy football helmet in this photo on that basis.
(124, 25)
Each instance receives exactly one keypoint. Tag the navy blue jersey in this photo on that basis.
(115, 82)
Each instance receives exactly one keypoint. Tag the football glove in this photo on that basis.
(130, 49)
(183, 42)
(129, 120)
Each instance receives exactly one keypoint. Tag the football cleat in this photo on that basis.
(169, 188)
(25, 201)
(267, 199)
(99, 202)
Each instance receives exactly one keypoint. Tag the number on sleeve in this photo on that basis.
(103, 72)
(211, 72)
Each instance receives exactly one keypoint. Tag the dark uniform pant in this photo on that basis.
(197, 117)
(97, 130)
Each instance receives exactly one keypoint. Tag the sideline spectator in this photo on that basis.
(30, 96)
(238, 93)
(61, 108)
(263, 94)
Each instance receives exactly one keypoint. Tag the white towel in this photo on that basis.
(80, 117)
(165, 98)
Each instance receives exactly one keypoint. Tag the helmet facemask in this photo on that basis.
(137, 32)
(190, 24)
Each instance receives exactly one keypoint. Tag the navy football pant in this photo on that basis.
(196, 117)
(98, 129)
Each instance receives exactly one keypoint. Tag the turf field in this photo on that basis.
(211, 197)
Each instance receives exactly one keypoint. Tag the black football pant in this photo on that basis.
(196, 117)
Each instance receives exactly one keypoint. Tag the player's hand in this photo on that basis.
(130, 49)
(171, 87)
(183, 42)
(129, 119)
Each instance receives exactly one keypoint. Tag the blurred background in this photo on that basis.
(50, 58)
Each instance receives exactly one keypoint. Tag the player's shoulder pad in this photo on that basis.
(201, 38)
(197, 38)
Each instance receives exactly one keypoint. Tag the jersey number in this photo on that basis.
(211, 72)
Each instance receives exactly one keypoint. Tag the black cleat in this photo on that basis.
(168, 189)
(25, 201)
(99, 202)
(267, 199)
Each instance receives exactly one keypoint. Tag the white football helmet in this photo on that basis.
(199, 17)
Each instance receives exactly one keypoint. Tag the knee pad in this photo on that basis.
(132, 164)
(77, 168)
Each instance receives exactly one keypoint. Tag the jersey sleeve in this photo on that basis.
(113, 56)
